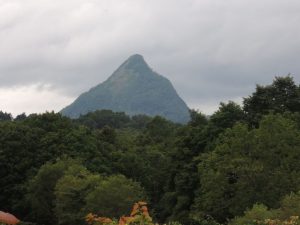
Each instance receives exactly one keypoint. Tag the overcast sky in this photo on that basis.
(211, 50)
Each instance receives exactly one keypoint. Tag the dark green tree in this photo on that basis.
(225, 117)
(114, 196)
(20, 155)
(4, 116)
(248, 167)
(41, 191)
(101, 118)
(20, 117)
(281, 96)
(70, 193)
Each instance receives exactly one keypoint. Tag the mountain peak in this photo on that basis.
(136, 63)
(136, 57)
(134, 88)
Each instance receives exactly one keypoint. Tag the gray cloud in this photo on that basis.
(211, 50)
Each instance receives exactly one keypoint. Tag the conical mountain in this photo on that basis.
(134, 88)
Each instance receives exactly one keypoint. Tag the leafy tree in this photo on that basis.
(225, 117)
(4, 116)
(281, 96)
(196, 138)
(70, 193)
(158, 130)
(248, 167)
(20, 117)
(257, 212)
(139, 121)
(26, 145)
(41, 196)
(114, 196)
(181, 174)
(289, 207)
(197, 119)
(49, 121)
(20, 155)
(205, 172)
(108, 135)
(101, 118)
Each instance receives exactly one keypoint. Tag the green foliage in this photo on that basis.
(41, 191)
(49, 121)
(258, 212)
(20, 155)
(173, 223)
(114, 196)
(203, 221)
(139, 121)
(102, 118)
(159, 130)
(289, 207)
(251, 166)
(281, 96)
(4, 116)
(70, 193)
(225, 117)
(65, 191)
(193, 140)
(237, 161)
(197, 119)
(20, 117)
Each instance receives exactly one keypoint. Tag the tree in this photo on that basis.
(114, 196)
(4, 116)
(225, 117)
(41, 196)
(70, 193)
(158, 130)
(49, 121)
(19, 157)
(289, 208)
(281, 96)
(248, 167)
(101, 118)
(191, 141)
(140, 121)
(181, 174)
(258, 212)
(197, 119)
(20, 117)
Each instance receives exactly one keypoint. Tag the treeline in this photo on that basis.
(235, 166)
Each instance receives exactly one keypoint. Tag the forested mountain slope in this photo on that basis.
(134, 88)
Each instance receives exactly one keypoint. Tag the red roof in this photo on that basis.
(8, 218)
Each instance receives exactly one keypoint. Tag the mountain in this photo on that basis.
(134, 88)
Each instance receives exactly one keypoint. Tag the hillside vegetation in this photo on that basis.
(134, 88)
(239, 165)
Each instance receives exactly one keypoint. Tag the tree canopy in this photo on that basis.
(237, 165)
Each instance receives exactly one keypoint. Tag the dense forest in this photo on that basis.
(238, 165)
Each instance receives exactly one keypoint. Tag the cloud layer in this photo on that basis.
(211, 50)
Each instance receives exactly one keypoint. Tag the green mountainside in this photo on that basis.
(134, 88)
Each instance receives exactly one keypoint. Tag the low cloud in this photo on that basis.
(35, 98)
